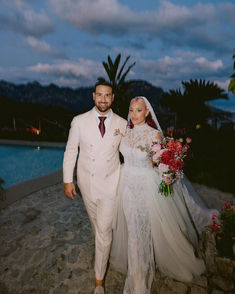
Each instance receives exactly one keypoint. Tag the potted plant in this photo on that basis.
(224, 225)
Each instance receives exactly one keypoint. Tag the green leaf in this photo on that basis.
(231, 86)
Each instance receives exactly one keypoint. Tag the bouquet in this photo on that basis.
(169, 157)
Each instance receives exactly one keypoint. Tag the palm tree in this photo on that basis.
(231, 86)
(121, 88)
(190, 106)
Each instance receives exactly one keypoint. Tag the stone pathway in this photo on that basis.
(46, 247)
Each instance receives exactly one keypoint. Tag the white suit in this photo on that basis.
(98, 172)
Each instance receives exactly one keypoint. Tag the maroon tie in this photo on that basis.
(101, 125)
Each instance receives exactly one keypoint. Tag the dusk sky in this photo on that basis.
(65, 41)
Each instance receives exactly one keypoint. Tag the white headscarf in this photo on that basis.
(150, 109)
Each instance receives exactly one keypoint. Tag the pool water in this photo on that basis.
(21, 163)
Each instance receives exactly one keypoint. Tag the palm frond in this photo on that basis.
(121, 70)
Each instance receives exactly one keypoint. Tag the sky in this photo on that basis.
(65, 41)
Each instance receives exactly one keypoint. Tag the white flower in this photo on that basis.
(163, 167)
(117, 132)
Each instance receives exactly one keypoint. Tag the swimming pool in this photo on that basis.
(22, 163)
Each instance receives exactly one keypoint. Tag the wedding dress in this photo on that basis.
(149, 229)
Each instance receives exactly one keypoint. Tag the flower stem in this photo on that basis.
(169, 190)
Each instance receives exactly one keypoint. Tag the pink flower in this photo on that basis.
(167, 178)
(156, 147)
(188, 140)
(227, 203)
(156, 158)
(159, 153)
(213, 216)
(180, 140)
(186, 148)
(163, 167)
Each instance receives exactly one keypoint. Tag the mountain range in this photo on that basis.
(76, 100)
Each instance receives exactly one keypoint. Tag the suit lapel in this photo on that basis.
(94, 129)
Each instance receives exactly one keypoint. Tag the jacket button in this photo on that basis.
(92, 175)
(93, 159)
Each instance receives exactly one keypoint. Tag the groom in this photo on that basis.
(98, 170)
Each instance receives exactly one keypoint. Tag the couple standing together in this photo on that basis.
(145, 229)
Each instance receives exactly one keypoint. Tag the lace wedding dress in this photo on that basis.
(149, 229)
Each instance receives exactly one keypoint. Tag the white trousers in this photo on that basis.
(100, 213)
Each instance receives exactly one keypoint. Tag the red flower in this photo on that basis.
(167, 156)
(174, 146)
(176, 165)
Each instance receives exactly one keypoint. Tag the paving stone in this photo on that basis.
(62, 289)
(200, 281)
(217, 292)
(73, 255)
(173, 287)
(47, 247)
(198, 290)
(222, 283)
(3, 288)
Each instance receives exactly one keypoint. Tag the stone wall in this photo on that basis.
(218, 279)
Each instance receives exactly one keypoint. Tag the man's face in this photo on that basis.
(103, 98)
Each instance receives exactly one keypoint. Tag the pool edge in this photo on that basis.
(32, 143)
(18, 191)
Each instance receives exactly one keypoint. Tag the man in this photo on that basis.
(98, 168)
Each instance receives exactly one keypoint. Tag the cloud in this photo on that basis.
(111, 17)
(223, 84)
(82, 73)
(18, 17)
(96, 17)
(185, 53)
(14, 74)
(43, 47)
(206, 65)
(173, 65)
(139, 45)
(169, 22)
(168, 71)
(98, 45)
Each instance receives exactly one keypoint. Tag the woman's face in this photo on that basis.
(138, 112)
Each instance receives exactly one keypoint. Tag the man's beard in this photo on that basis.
(103, 109)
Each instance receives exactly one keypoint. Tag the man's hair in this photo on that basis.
(102, 82)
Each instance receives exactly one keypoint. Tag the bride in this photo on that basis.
(149, 230)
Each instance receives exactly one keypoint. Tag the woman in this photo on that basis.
(149, 229)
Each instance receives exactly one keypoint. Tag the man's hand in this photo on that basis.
(69, 190)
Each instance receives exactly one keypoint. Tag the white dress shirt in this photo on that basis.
(107, 115)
